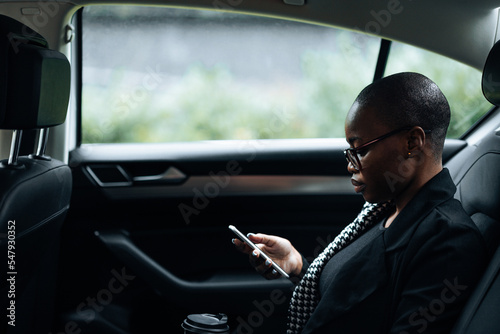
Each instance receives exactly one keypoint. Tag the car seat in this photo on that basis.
(478, 188)
(34, 190)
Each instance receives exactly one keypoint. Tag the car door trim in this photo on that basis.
(241, 185)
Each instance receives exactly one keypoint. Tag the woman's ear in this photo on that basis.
(416, 139)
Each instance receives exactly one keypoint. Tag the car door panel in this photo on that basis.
(171, 235)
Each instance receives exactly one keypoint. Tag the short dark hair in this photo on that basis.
(410, 99)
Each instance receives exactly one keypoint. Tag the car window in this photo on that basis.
(460, 83)
(168, 74)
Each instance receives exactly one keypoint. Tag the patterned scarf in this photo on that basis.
(305, 297)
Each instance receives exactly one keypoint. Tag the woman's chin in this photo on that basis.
(371, 198)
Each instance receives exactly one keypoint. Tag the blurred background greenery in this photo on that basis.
(183, 75)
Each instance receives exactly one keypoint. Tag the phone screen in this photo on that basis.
(254, 246)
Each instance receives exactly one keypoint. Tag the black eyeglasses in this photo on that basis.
(351, 154)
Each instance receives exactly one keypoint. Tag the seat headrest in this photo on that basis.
(491, 75)
(482, 178)
(34, 80)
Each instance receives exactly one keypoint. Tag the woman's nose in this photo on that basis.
(350, 168)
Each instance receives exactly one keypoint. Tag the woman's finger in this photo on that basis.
(255, 259)
(260, 238)
(271, 273)
(241, 246)
(263, 266)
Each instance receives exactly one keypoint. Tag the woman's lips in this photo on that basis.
(358, 186)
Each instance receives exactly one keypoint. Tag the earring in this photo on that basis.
(409, 154)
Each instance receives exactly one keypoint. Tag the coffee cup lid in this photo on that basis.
(206, 323)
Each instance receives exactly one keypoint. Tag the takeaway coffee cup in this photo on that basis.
(205, 324)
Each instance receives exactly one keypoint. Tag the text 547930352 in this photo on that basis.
(11, 272)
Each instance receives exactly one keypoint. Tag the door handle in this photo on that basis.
(171, 175)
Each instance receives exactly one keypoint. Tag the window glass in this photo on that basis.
(169, 74)
(460, 83)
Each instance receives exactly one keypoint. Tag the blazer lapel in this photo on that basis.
(355, 282)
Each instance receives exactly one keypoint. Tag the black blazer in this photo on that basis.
(414, 277)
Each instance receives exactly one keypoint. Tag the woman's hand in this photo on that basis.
(279, 249)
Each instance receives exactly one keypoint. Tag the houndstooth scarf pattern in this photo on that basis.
(305, 297)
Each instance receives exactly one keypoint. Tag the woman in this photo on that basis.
(408, 262)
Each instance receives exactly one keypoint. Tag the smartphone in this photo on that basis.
(254, 246)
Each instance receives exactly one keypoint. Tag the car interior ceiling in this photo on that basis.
(474, 170)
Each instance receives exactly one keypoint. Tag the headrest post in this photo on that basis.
(43, 137)
(15, 146)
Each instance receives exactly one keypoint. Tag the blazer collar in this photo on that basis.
(438, 190)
